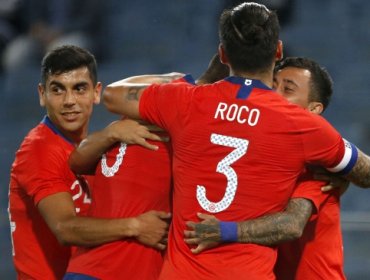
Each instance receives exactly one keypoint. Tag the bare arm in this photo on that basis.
(267, 230)
(122, 97)
(360, 173)
(59, 213)
(84, 158)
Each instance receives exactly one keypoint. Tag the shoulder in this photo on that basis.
(42, 144)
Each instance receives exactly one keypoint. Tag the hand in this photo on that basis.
(132, 132)
(334, 181)
(205, 234)
(151, 229)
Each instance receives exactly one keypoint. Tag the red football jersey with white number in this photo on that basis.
(40, 169)
(129, 181)
(238, 148)
(318, 254)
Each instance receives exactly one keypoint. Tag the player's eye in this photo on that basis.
(80, 90)
(288, 89)
(56, 90)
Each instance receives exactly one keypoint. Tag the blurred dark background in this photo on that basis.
(142, 36)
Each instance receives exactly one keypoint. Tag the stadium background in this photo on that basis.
(160, 36)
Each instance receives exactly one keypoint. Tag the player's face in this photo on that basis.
(293, 84)
(69, 99)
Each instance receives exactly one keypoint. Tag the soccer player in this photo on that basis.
(121, 190)
(129, 180)
(318, 252)
(46, 200)
(238, 147)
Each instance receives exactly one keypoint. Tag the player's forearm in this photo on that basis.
(83, 231)
(277, 228)
(268, 230)
(122, 97)
(360, 173)
(84, 158)
(150, 79)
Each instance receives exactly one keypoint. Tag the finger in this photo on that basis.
(197, 250)
(151, 136)
(161, 246)
(151, 127)
(327, 188)
(145, 144)
(190, 224)
(189, 233)
(206, 216)
(164, 215)
(192, 241)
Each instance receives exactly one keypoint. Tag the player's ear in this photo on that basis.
(316, 107)
(41, 90)
(222, 54)
(97, 92)
(279, 51)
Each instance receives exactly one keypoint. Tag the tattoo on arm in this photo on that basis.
(166, 80)
(276, 228)
(133, 93)
(360, 174)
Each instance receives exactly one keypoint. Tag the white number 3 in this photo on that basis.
(241, 146)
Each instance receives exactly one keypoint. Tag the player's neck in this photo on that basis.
(264, 77)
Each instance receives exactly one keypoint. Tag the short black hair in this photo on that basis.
(249, 34)
(321, 84)
(67, 58)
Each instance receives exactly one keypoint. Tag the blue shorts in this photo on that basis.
(78, 276)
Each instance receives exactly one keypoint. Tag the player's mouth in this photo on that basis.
(70, 116)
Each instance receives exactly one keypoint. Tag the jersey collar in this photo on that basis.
(46, 120)
(246, 85)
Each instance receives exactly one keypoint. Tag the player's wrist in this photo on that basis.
(132, 227)
(111, 134)
(229, 231)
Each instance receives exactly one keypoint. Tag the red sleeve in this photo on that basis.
(162, 104)
(310, 189)
(324, 146)
(42, 172)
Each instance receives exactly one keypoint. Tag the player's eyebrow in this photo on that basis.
(56, 83)
(291, 82)
(79, 84)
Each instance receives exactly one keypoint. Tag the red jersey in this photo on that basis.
(40, 169)
(129, 181)
(238, 149)
(318, 254)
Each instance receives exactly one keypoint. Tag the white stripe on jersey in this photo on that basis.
(349, 158)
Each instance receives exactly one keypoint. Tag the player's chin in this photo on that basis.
(72, 126)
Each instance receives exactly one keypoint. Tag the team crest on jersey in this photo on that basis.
(247, 82)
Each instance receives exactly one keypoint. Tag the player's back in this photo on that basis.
(238, 149)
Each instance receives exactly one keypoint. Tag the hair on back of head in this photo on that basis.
(249, 34)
